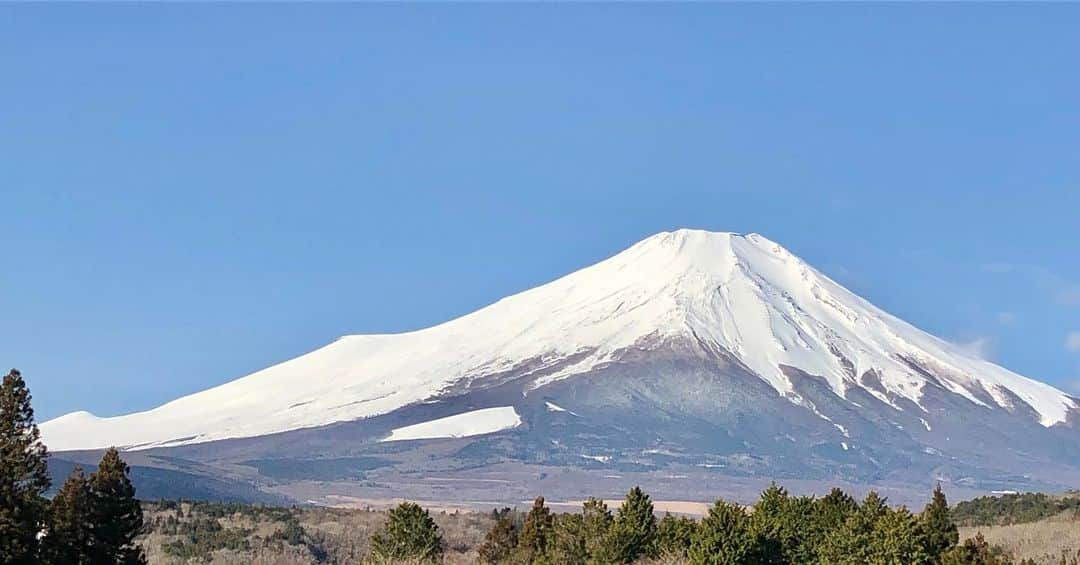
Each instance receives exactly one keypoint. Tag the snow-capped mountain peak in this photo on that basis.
(740, 296)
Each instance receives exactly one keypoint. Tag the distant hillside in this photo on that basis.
(1015, 508)
(158, 484)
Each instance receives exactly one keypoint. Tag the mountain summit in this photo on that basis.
(718, 344)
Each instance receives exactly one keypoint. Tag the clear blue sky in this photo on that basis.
(193, 192)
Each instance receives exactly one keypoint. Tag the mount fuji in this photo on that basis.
(690, 352)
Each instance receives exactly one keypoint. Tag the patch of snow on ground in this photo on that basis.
(477, 422)
(552, 407)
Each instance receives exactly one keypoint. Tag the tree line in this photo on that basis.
(92, 520)
(835, 529)
(1015, 508)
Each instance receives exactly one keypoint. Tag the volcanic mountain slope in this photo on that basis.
(690, 348)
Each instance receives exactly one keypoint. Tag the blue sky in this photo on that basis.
(193, 192)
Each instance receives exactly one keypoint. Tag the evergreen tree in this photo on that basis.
(409, 533)
(897, 540)
(833, 509)
(874, 506)
(771, 527)
(500, 541)
(633, 533)
(69, 538)
(596, 522)
(851, 543)
(938, 528)
(536, 534)
(829, 514)
(674, 536)
(723, 537)
(568, 541)
(117, 514)
(24, 476)
(800, 544)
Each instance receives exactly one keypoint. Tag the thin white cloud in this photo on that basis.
(1072, 342)
(1006, 318)
(981, 347)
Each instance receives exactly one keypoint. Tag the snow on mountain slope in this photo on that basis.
(742, 294)
(467, 424)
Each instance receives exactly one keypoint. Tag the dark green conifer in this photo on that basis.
(536, 534)
(939, 531)
(723, 537)
(568, 541)
(674, 536)
(833, 509)
(852, 542)
(633, 533)
(771, 526)
(69, 537)
(24, 476)
(117, 514)
(829, 513)
(596, 522)
(872, 507)
(898, 538)
(409, 533)
(799, 543)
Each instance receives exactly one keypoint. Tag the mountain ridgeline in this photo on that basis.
(691, 353)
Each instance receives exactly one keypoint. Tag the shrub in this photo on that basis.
(500, 541)
(409, 533)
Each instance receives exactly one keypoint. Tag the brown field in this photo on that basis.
(343, 533)
(1043, 541)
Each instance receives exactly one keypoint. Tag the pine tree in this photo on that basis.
(938, 528)
(568, 541)
(409, 533)
(831, 513)
(674, 536)
(596, 521)
(117, 515)
(833, 509)
(897, 540)
(800, 544)
(69, 538)
(723, 537)
(770, 526)
(633, 533)
(500, 541)
(874, 506)
(852, 542)
(536, 534)
(24, 476)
